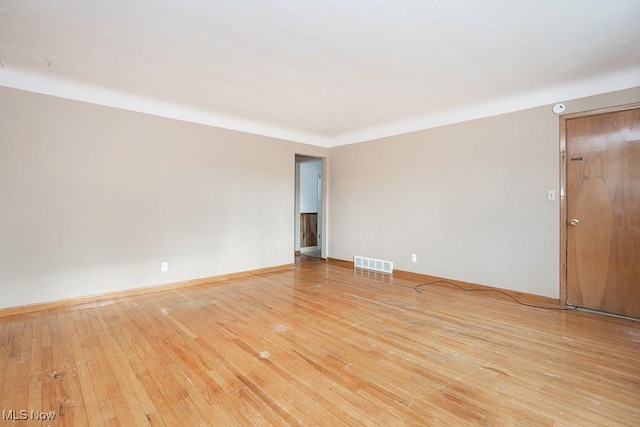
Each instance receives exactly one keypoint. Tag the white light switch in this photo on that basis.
(551, 194)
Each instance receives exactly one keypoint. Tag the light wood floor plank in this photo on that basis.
(35, 374)
(12, 343)
(319, 345)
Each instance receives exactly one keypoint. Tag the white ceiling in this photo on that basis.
(325, 72)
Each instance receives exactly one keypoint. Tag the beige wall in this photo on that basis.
(95, 198)
(469, 199)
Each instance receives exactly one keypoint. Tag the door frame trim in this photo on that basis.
(563, 184)
(323, 209)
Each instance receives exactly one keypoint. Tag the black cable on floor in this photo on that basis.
(417, 289)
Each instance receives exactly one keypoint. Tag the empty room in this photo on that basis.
(336, 213)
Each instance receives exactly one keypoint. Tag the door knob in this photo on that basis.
(574, 221)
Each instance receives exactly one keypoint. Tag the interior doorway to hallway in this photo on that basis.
(308, 231)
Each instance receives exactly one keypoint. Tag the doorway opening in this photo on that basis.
(309, 202)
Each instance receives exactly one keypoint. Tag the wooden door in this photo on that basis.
(603, 212)
(308, 230)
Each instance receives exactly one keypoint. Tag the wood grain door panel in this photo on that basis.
(308, 229)
(603, 194)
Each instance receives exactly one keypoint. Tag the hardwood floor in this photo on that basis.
(318, 345)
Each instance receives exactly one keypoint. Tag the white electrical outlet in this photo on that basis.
(164, 266)
(414, 257)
